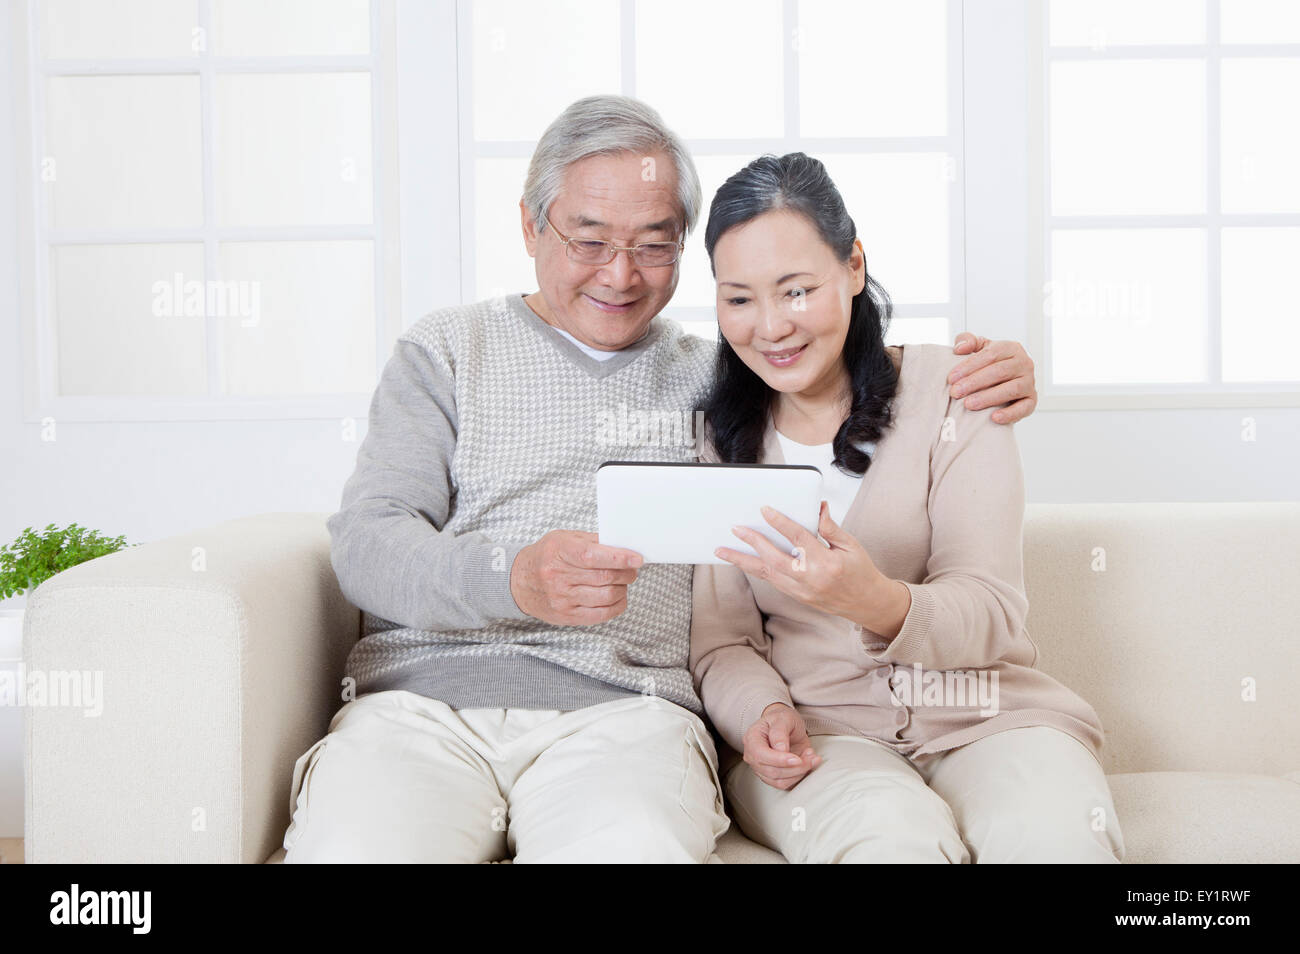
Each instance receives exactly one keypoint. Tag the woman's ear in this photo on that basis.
(858, 263)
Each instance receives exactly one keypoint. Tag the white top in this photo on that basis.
(838, 488)
(594, 352)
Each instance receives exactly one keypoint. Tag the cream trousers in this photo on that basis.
(1030, 794)
(403, 778)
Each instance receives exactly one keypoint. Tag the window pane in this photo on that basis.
(873, 69)
(290, 27)
(1259, 21)
(899, 203)
(1261, 317)
(696, 286)
(1102, 23)
(919, 331)
(307, 321)
(128, 319)
(293, 149)
(1127, 305)
(123, 29)
(713, 74)
(127, 151)
(502, 265)
(1261, 147)
(531, 60)
(1128, 137)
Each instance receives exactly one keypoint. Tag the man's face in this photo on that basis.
(624, 199)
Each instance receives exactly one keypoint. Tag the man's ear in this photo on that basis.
(530, 229)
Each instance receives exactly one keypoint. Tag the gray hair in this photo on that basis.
(602, 126)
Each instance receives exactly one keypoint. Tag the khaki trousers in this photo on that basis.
(1030, 794)
(403, 778)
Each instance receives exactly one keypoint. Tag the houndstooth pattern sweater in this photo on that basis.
(486, 430)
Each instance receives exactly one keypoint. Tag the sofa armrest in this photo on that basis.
(183, 678)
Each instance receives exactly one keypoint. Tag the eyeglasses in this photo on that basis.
(596, 252)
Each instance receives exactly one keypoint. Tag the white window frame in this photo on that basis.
(951, 143)
(428, 132)
(1207, 394)
(30, 70)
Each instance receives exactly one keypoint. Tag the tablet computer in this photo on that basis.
(678, 512)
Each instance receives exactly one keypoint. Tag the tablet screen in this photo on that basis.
(676, 512)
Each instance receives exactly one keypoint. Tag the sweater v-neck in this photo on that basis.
(772, 445)
(579, 358)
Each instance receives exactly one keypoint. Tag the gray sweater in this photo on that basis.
(486, 430)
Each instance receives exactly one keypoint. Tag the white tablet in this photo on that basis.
(681, 513)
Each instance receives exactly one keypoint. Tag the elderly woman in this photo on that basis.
(879, 682)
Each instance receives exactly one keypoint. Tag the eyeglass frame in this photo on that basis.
(615, 249)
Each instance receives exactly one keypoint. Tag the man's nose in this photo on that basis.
(621, 272)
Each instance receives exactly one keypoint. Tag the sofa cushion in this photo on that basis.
(1166, 817)
(1208, 817)
(733, 849)
(1169, 818)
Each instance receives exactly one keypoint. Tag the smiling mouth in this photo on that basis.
(783, 355)
(615, 307)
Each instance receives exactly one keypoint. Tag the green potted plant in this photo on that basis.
(31, 560)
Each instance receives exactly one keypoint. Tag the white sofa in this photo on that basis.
(217, 678)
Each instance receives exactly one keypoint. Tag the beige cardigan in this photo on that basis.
(941, 509)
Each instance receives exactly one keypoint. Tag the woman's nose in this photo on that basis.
(773, 322)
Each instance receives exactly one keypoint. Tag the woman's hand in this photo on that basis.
(839, 579)
(771, 744)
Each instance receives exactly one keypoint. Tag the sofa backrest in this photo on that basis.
(1179, 623)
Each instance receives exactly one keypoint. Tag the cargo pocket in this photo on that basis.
(300, 791)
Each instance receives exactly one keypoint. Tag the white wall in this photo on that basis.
(1166, 454)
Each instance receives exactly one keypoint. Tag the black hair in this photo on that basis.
(737, 404)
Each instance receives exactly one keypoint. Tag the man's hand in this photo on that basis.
(997, 372)
(771, 744)
(570, 579)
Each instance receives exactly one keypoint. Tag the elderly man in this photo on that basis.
(522, 690)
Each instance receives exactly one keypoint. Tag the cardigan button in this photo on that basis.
(901, 719)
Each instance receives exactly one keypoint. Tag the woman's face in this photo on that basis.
(784, 301)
